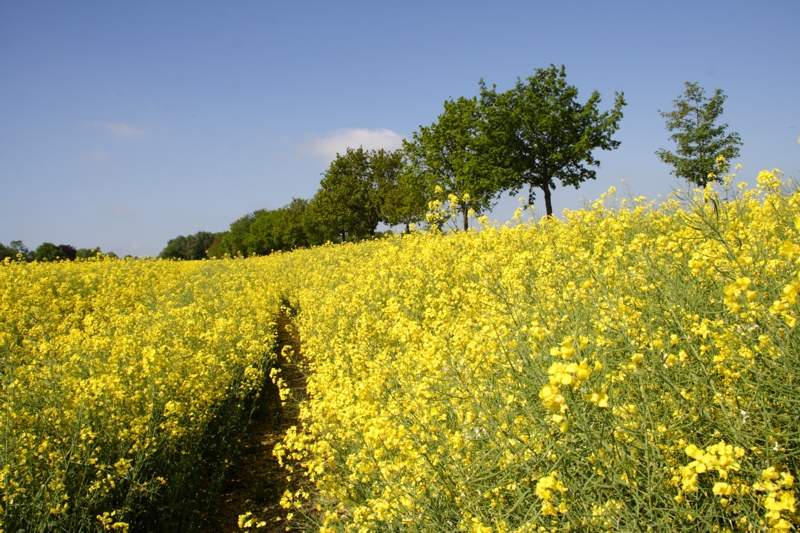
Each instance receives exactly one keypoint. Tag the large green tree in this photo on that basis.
(405, 202)
(350, 199)
(261, 238)
(539, 133)
(449, 157)
(700, 140)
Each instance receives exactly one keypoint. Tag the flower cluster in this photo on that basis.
(452, 373)
(117, 375)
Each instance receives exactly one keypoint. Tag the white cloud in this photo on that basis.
(339, 141)
(120, 211)
(118, 129)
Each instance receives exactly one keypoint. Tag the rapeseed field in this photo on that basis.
(118, 378)
(632, 367)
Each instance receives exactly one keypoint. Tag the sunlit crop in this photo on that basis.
(633, 367)
(117, 377)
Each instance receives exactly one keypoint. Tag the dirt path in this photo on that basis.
(256, 483)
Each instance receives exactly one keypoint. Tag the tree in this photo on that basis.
(262, 237)
(65, 251)
(21, 250)
(214, 248)
(538, 133)
(88, 253)
(405, 202)
(291, 233)
(280, 229)
(321, 222)
(350, 199)
(700, 142)
(233, 241)
(449, 158)
(191, 247)
(6, 252)
(47, 251)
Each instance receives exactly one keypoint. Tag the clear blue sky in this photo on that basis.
(125, 124)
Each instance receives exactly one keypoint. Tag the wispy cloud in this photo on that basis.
(339, 141)
(120, 211)
(118, 129)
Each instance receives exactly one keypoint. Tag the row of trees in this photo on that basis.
(530, 138)
(47, 251)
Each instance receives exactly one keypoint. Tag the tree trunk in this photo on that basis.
(466, 217)
(548, 206)
(408, 228)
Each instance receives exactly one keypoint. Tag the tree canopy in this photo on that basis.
(538, 133)
(351, 196)
(7, 252)
(279, 229)
(233, 241)
(47, 251)
(700, 141)
(449, 157)
(189, 247)
(405, 203)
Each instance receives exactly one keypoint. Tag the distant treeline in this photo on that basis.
(360, 190)
(47, 251)
(528, 138)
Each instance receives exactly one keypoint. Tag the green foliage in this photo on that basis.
(6, 251)
(320, 222)
(19, 250)
(449, 158)
(291, 234)
(191, 247)
(277, 230)
(538, 133)
(263, 232)
(47, 251)
(700, 142)
(233, 241)
(214, 249)
(352, 194)
(405, 203)
(87, 253)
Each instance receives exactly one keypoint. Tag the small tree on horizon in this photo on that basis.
(700, 142)
(47, 251)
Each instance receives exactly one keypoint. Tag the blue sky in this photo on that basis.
(125, 124)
